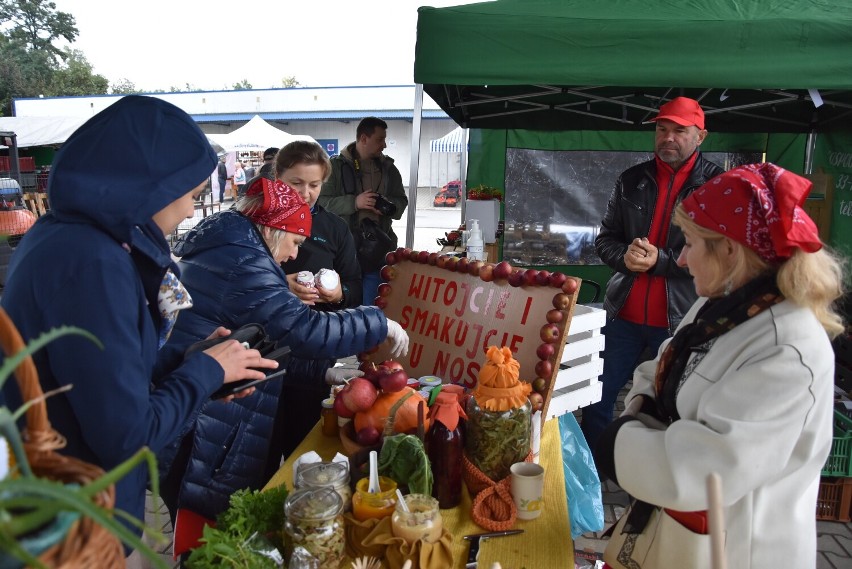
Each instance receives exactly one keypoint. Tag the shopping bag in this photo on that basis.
(582, 484)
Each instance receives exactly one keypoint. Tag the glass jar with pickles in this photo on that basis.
(314, 521)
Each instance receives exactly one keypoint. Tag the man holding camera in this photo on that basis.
(365, 189)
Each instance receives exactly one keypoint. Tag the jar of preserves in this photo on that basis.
(445, 447)
(314, 521)
(330, 428)
(334, 475)
(367, 505)
(422, 520)
(497, 433)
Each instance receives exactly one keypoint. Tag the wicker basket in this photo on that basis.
(87, 544)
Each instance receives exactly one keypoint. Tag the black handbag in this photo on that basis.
(252, 336)
(372, 244)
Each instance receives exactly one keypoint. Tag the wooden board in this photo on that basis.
(452, 316)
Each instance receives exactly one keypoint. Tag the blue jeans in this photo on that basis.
(370, 287)
(625, 344)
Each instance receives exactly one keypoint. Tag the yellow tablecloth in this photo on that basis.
(546, 542)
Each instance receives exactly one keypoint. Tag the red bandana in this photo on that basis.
(760, 206)
(282, 207)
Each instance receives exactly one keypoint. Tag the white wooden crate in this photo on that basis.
(577, 383)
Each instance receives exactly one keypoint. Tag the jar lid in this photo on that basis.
(328, 403)
(430, 381)
(318, 474)
(313, 504)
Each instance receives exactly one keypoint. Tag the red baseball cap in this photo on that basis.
(683, 111)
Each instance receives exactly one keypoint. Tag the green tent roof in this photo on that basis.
(591, 64)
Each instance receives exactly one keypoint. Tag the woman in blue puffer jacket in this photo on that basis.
(231, 265)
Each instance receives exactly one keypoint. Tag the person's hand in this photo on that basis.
(330, 295)
(398, 339)
(219, 332)
(633, 407)
(237, 361)
(340, 375)
(367, 201)
(641, 255)
(307, 294)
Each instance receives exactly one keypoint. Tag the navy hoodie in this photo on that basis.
(96, 261)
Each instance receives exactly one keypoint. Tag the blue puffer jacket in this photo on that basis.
(234, 280)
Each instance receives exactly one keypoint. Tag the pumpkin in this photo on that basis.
(406, 416)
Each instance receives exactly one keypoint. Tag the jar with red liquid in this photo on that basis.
(445, 446)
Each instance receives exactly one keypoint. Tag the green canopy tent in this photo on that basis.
(588, 74)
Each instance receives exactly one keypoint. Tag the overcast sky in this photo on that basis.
(212, 44)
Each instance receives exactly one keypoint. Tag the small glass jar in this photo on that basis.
(314, 521)
(429, 381)
(366, 505)
(334, 475)
(422, 521)
(328, 417)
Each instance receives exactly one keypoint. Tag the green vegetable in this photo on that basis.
(229, 544)
(404, 459)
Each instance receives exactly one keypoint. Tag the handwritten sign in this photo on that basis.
(453, 310)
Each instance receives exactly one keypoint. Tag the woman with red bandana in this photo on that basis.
(231, 264)
(743, 389)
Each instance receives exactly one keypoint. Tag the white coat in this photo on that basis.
(757, 410)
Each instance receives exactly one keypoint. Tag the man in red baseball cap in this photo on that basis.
(648, 294)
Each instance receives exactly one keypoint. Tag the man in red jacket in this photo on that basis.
(648, 294)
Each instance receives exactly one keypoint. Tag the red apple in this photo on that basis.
(540, 385)
(545, 351)
(358, 394)
(543, 368)
(381, 302)
(368, 436)
(388, 273)
(516, 278)
(549, 333)
(423, 257)
(561, 301)
(473, 268)
(461, 265)
(390, 258)
(384, 289)
(486, 272)
(557, 279)
(341, 409)
(530, 277)
(555, 316)
(502, 270)
(405, 254)
(451, 263)
(413, 255)
(441, 261)
(370, 371)
(394, 381)
(433, 258)
(391, 365)
(570, 285)
(542, 278)
(537, 401)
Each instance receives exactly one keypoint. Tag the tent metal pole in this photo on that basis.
(463, 174)
(810, 145)
(417, 118)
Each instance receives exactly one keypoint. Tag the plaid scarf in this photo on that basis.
(716, 317)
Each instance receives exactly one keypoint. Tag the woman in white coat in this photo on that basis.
(743, 389)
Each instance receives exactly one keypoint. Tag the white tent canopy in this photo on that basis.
(41, 131)
(256, 135)
(455, 141)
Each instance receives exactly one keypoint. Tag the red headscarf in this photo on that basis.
(759, 206)
(282, 207)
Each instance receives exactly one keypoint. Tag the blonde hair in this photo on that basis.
(811, 280)
(302, 152)
(272, 236)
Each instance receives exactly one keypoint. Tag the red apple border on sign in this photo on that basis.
(453, 309)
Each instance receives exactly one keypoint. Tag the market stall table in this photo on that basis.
(546, 541)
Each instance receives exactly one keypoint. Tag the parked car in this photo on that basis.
(449, 195)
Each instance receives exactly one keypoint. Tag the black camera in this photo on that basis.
(384, 205)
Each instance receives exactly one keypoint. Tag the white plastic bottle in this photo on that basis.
(474, 241)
